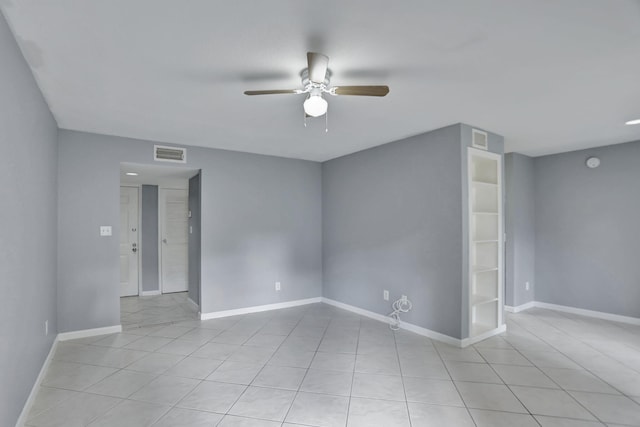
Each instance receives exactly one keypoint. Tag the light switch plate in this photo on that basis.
(105, 230)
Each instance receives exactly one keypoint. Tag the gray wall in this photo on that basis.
(194, 239)
(28, 221)
(587, 229)
(391, 220)
(520, 229)
(261, 223)
(149, 238)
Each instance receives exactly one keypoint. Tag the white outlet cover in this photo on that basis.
(593, 162)
(105, 230)
(277, 286)
(385, 295)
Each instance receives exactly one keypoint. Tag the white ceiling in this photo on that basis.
(549, 75)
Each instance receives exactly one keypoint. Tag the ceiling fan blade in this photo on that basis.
(317, 64)
(361, 90)
(271, 92)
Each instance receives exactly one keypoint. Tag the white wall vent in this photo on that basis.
(163, 153)
(479, 139)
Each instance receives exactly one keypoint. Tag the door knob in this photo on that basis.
(164, 240)
(134, 250)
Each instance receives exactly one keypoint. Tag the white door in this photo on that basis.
(174, 238)
(128, 241)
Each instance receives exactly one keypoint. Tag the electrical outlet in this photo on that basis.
(46, 327)
(385, 295)
(526, 286)
(404, 298)
(277, 286)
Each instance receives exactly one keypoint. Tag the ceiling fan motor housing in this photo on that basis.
(306, 82)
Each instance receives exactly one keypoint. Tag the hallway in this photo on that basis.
(156, 310)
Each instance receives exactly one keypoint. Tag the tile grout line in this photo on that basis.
(454, 384)
(567, 392)
(306, 371)
(507, 385)
(404, 390)
(353, 373)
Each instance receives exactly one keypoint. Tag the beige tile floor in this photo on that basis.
(154, 310)
(320, 366)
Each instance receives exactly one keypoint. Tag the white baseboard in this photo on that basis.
(473, 340)
(519, 308)
(589, 313)
(357, 310)
(22, 419)
(73, 335)
(259, 308)
(150, 293)
(403, 325)
(432, 334)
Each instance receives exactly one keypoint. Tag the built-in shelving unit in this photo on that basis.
(485, 241)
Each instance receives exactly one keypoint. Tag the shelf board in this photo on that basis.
(490, 184)
(486, 241)
(485, 213)
(482, 299)
(482, 269)
(480, 328)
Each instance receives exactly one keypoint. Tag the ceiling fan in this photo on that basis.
(315, 83)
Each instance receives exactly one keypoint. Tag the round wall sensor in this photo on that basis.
(593, 162)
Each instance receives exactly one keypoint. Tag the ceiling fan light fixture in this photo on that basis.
(315, 105)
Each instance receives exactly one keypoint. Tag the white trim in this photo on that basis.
(22, 419)
(519, 308)
(73, 335)
(403, 325)
(470, 341)
(259, 308)
(357, 310)
(150, 293)
(589, 313)
(432, 334)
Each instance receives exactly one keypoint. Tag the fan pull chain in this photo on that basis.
(304, 115)
(326, 121)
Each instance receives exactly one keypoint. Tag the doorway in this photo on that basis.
(155, 243)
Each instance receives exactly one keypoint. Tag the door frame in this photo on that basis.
(161, 203)
(138, 188)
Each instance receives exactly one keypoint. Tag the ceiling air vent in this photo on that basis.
(479, 139)
(162, 153)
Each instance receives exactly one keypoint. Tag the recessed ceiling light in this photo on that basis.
(132, 173)
(633, 122)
